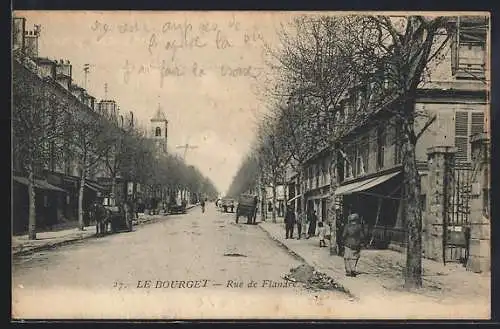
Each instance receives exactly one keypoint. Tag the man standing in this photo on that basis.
(289, 222)
(312, 224)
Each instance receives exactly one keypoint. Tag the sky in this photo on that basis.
(202, 68)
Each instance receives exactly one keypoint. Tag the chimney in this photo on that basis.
(63, 73)
(18, 32)
(31, 43)
(64, 68)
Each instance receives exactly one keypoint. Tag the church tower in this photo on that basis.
(159, 131)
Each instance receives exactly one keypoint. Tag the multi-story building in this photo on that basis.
(57, 181)
(368, 171)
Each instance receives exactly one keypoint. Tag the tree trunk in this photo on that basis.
(31, 201)
(332, 209)
(81, 224)
(263, 209)
(413, 214)
(273, 213)
(114, 187)
(302, 199)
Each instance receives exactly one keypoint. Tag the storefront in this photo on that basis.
(49, 204)
(378, 200)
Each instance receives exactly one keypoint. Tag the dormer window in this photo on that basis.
(158, 132)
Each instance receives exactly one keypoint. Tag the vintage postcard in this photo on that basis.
(250, 165)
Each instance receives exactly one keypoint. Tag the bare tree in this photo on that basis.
(246, 177)
(272, 156)
(90, 144)
(406, 46)
(119, 138)
(37, 122)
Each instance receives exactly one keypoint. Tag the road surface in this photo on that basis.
(196, 265)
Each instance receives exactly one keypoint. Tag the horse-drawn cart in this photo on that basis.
(247, 206)
(176, 208)
(119, 217)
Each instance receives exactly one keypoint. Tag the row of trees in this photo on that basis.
(327, 75)
(55, 130)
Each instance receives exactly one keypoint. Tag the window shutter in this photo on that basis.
(461, 135)
(477, 123)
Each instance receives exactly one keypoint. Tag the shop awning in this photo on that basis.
(364, 184)
(320, 197)
(294, 198)
(94, 186)
(41, 184)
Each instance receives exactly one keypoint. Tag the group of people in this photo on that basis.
(300, 219)
(350, 236)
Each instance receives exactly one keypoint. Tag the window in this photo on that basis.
(317, 171)
(467, 123)
(380, 147)
(158, 132)
(352, 160)
(468, 47)
(348, 163)
(362, 156)
(423, 200)
(398, 145)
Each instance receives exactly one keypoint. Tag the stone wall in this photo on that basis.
(480, 240)
(440, 159)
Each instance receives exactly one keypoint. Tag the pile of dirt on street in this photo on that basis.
(313, 279)
(301, 273)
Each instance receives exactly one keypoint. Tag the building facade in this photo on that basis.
(366, 163)
(57, 180)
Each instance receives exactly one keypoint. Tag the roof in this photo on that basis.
(159, 116)
(76, 87)
(44, 60)
(41, 184)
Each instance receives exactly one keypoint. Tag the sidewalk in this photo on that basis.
(381, 271)
(21, 245)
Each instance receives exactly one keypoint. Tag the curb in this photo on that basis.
(284, 246)
(302, 259)
(25, 252)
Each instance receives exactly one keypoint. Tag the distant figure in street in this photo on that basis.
(313, 219)
(289, 222)
(352, 236)
(321, 233)
(202, 203)
(256, 206)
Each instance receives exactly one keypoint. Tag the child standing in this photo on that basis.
(321, 233)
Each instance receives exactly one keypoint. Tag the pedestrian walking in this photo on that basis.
(289, 223)
(352, 236)
(322, 234)
(301, 223)
(313, 219)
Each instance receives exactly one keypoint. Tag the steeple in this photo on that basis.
(159, 116)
